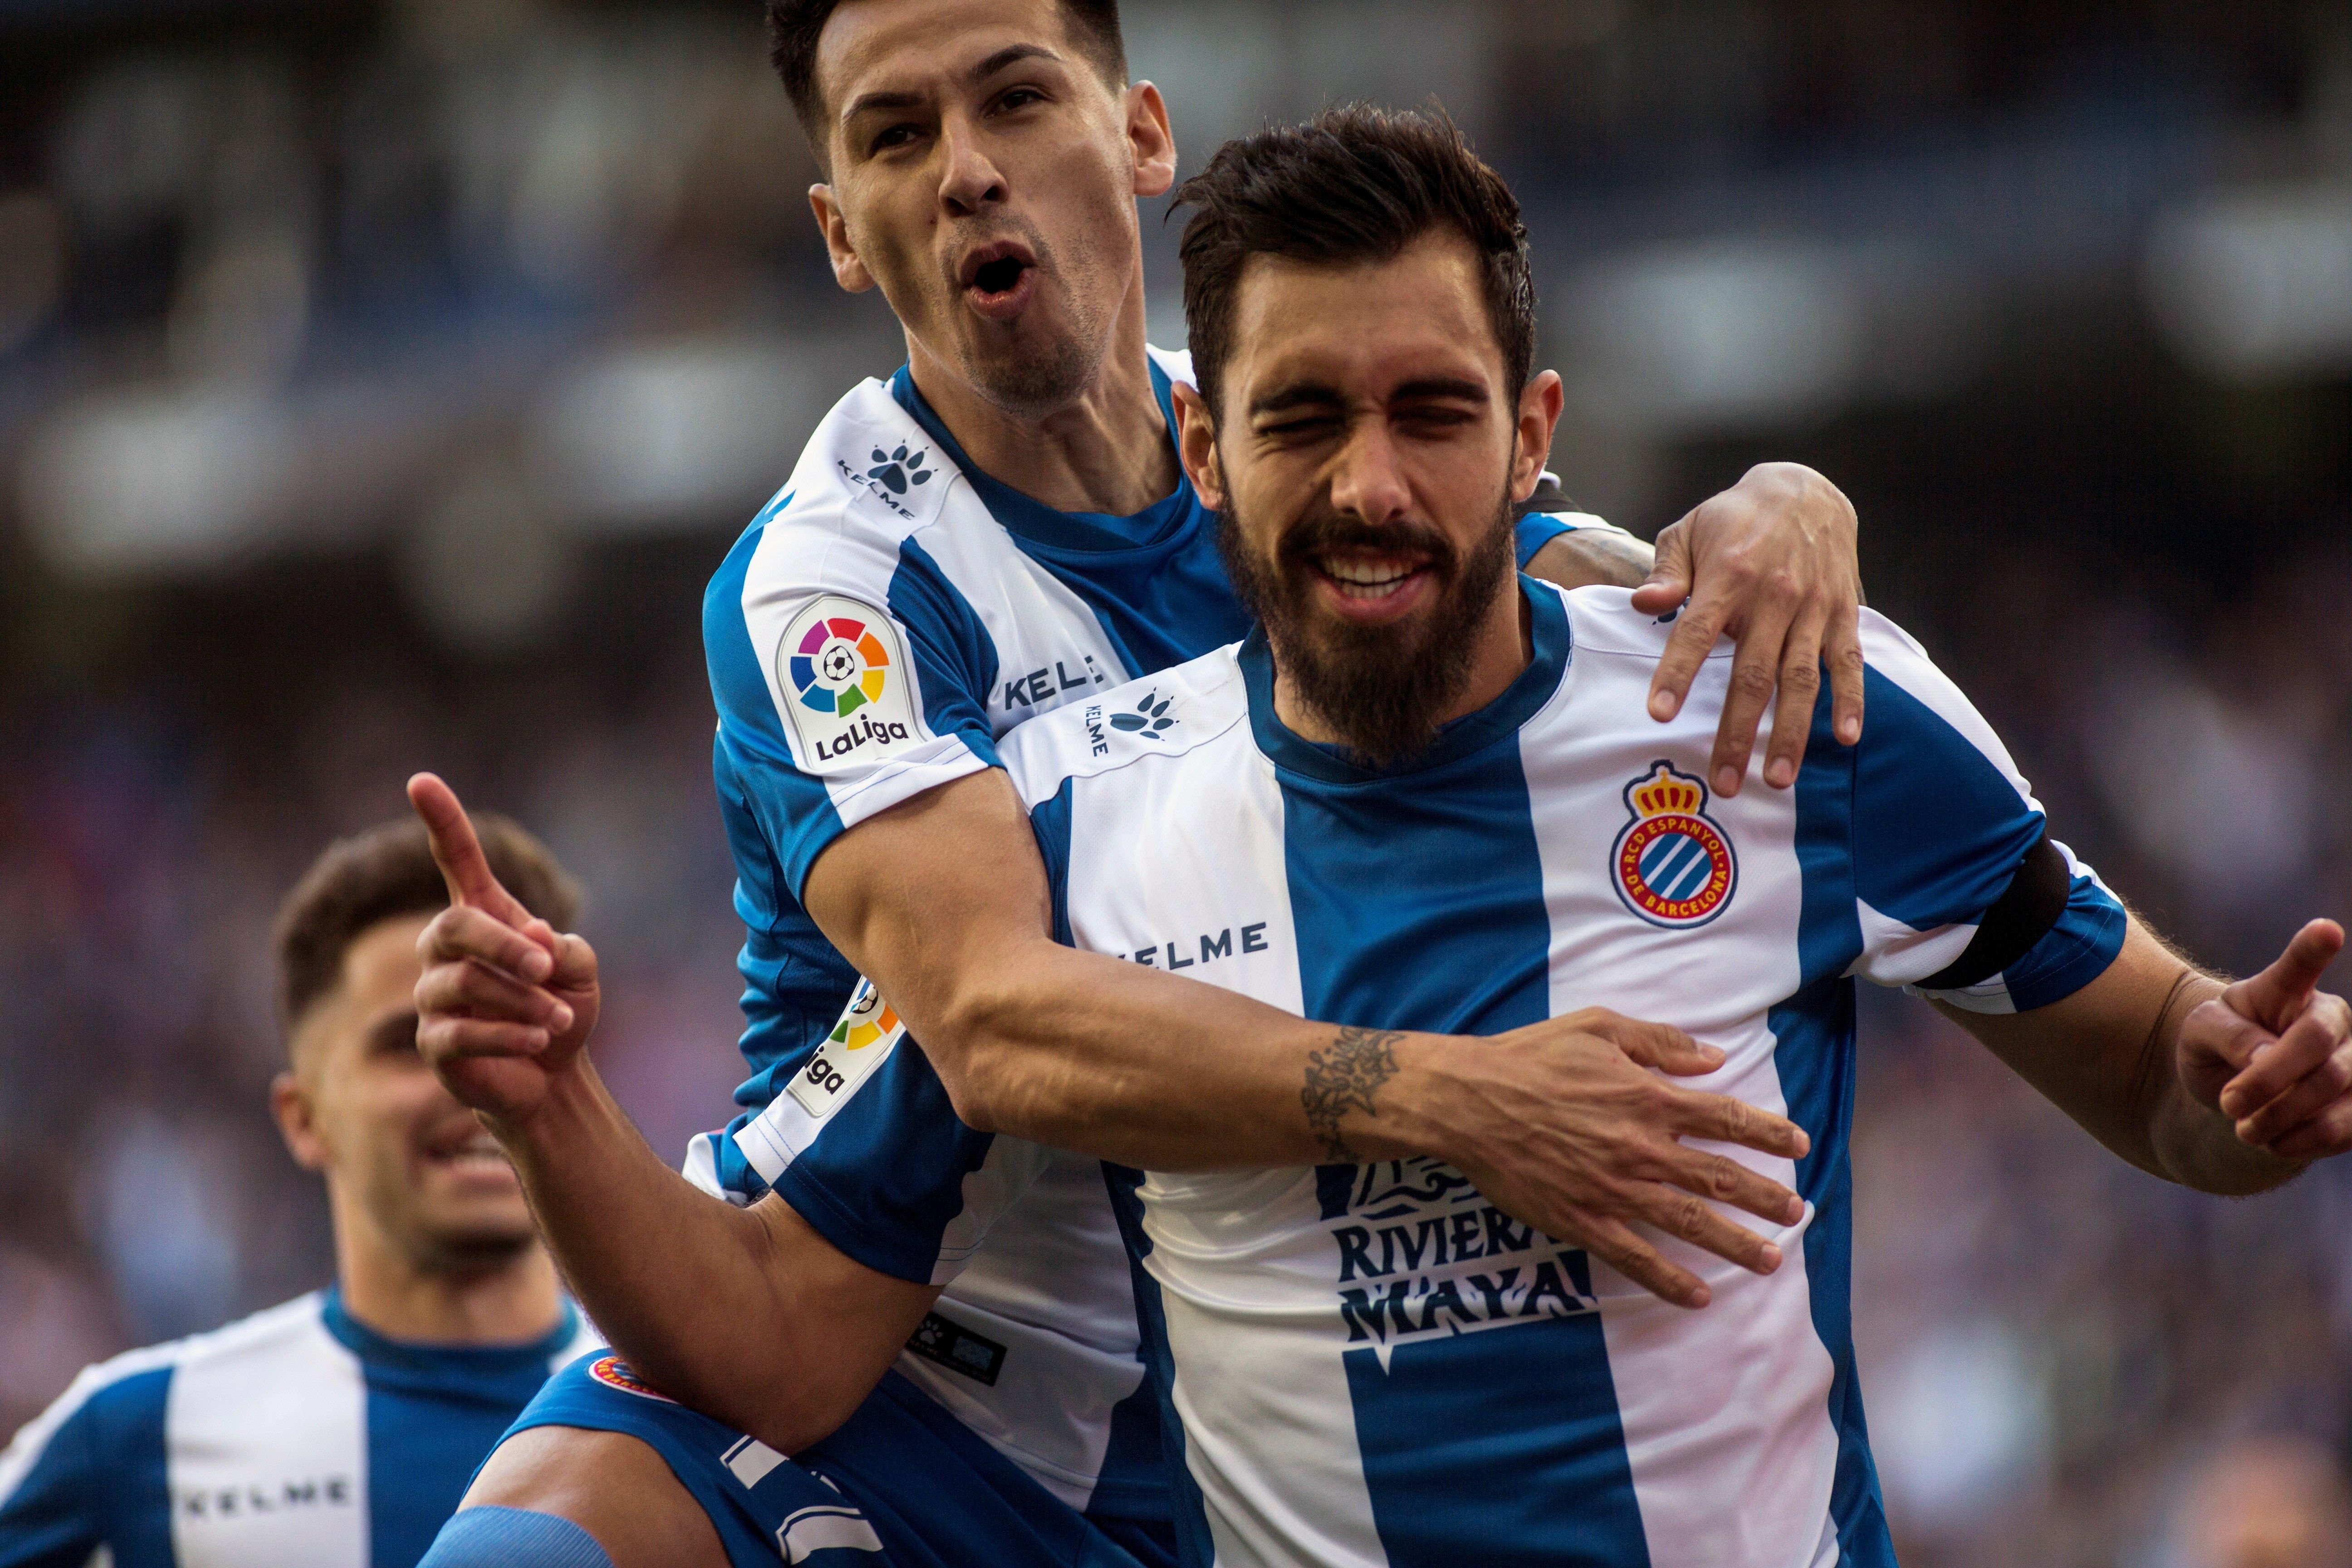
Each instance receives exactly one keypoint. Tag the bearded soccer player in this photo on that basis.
(1001, 528)
(1442, 806)
(337, 1430)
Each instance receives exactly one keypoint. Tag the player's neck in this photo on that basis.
(1107, 450)
(1504, 646)
(512, 1302)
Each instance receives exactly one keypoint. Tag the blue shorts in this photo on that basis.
(902, 1484)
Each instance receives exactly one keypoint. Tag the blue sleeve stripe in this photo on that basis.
(2075, 952)
(1050, 821)
(1940, 827)
(1537, 529)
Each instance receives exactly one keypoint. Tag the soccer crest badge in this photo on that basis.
(1672, 864)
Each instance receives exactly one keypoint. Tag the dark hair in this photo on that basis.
(384, 873)
(1353, 184)
(794, 27)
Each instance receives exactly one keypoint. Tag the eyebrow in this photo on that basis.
(1307, 393)
(396, 1033)
(1011, 55)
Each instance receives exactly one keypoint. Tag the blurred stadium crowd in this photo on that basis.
(378, 382)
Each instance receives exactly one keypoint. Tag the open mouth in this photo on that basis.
(1368, 579)
(475, 1152)
(996, 277)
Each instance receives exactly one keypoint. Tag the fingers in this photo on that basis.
(458, 852)
(1670, 575)
(1614, 1243)
(1729, 1182)
(1693, 639)
(1678, 1213)
(446, 1039)
(1792, 715)
(1842, 654)
(1720, 1118)
(1755, 671)
(2276, 995)
(475, 991)
(2328, 1134)
(462, 933)
(2313, 1064)
(1659, 1046)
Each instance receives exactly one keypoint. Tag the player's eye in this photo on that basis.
(1019, 97)
(891, 136)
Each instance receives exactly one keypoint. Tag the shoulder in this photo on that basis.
(1143, 723)
(1602, 621)
(122, 1398)
(868, 480)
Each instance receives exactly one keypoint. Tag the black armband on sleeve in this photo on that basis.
(2020, 917)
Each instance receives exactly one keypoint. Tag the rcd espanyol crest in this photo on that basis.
(1672, 864)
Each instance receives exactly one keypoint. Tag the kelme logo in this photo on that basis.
(897, 471)
(1149, 718)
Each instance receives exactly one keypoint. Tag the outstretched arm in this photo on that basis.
(749, 1315)
(2225, 1087)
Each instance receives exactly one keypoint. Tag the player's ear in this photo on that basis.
(848, 269)
(1196, 446)
(1150, 141)
(1540, 405)
(296, 1118)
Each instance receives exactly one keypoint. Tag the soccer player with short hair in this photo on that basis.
(1001, 528)
(1425, 795)
(337, 1430)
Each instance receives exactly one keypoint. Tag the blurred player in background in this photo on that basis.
(337, 1430)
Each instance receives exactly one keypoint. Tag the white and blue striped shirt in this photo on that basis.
(1369, 1364)
(295, 1439)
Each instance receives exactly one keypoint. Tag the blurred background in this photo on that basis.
(379, 381)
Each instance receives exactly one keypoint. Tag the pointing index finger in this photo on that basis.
(458, 852)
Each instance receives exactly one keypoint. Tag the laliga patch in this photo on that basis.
(867, 1033)
(847, 691)
(613, 1372)
(1673, 866)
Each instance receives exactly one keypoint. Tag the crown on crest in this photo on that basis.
(1666, 791)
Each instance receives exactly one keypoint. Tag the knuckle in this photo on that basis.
(1800, 677)
(1753, 682)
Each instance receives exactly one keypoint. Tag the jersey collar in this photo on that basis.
(1161, 523)
(1471, 733)
(382, 1349)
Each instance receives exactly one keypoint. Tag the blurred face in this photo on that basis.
(1366, 466)
(984, 176)
(404, 1160)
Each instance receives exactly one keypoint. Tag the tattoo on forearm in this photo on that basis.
(1343, 1078)
(1592, 555)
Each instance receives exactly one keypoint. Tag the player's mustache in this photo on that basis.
(1313, 535)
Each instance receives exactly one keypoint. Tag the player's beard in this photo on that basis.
(1380, 687)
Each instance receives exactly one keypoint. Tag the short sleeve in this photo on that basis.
(863, 1143)
(61, 1478)
(849, 676)
(1942, 823)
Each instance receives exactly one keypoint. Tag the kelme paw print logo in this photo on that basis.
(1149, 718)
(898, 470)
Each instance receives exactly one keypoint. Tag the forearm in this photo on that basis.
(1586, 557)
(1133, 1065)
(680, 1282)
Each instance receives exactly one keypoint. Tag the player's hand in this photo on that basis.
(1772, 561)
(1567, 1130)
(506, 1002)
(2275, 1053)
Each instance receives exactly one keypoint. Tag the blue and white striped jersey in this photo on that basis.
(1369, 1363)
(889, 616)
(294, 1438)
